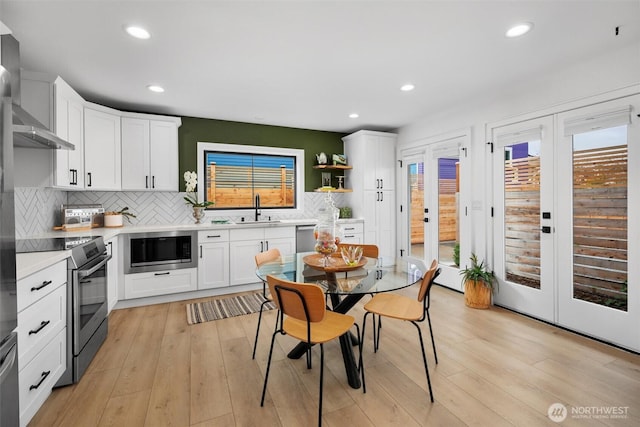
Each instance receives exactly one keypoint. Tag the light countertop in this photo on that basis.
(29, 263)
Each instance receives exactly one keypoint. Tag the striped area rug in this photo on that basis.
(222, 308)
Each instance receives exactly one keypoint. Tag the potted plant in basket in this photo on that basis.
(115, 218)
(478, 284)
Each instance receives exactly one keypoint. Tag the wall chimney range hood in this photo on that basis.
(27, 130)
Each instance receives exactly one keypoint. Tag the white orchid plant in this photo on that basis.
(190, 182)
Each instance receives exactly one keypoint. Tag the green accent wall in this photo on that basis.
(194, 130)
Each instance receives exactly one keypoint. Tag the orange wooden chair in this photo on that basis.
(261, 258)
(400, 307)
(304, 316)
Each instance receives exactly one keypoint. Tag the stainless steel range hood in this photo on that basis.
(27, 130)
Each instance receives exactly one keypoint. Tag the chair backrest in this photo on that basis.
(292, 297)
(267, 256)
(427, 280)
(369, 251)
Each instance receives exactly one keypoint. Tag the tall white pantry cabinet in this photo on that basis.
(372, 155)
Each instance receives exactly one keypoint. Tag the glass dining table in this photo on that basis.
(344, 288)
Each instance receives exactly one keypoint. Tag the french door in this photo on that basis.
(523, 181)
(599, 233)
(433, 212)
(565, 225)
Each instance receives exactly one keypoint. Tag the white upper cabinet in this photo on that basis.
(68, 168)
(57, 106)
(102, 161)
(150, 153)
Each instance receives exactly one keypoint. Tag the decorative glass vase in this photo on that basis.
(327, 231)
(198, 213)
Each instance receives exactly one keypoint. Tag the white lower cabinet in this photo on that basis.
(245, 243)
(38, 378)
(154, 283)
(352, 232)
(213, 262)
(42, 336)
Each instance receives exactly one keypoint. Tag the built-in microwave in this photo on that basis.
(165, 250)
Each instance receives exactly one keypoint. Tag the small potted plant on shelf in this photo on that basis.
(478, 284)
(115, 218)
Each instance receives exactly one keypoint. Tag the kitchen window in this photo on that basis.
(232, 176)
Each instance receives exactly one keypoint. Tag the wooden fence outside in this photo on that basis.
(229, 186)
(599, 224)
(447, 212)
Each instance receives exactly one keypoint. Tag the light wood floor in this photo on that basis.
(496, 368)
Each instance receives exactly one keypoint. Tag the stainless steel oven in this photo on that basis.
(87, 322)
(166, 250)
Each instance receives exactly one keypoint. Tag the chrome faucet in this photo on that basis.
(258, 212)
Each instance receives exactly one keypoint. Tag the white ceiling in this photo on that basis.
(309, 64)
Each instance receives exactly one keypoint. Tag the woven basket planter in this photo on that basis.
(477, 295)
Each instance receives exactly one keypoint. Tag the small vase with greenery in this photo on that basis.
(478, 283)
(114, 218)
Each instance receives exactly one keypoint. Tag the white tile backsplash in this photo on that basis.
(37, 209)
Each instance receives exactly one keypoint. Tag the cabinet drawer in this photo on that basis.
(352, 228)
(249, 233)
(280, 232)
(39, 323)
(32, 288)
(39, 376)
(160, 283)
(213, 236)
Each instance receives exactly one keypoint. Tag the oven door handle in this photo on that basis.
(90, 271)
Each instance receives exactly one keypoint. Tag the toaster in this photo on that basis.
(82, 216)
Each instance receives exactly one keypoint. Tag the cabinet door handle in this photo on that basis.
(267, 244)
(146, 181)
(381, 183)
(162, 274)
(37, 288)
(214, 236)
(349, 236)
(153, 181)
(382, 196)
(39, 328)
(43, 377)
(89, 179)
(200, 251)
(349, 228)
(261, 246)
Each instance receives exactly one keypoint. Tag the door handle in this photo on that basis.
(546, 229)
(162, 274)
(146, 181)
(45, 283)
(426, 220)
(153, 181)
(89, 179)
(43, 377)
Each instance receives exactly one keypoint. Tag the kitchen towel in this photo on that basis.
(226, 307)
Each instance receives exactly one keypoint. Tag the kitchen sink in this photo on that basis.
(274, 221)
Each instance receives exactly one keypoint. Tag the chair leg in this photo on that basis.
(360, 363)
(308, 352)
(266, 375)
(433, 342)
(321, 381)
(255, 343)
(424, 358)
(379, 327)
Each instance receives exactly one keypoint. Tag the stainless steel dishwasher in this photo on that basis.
(305, 241)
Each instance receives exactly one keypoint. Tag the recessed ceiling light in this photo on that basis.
(155, 88)
(408, 87)
(137, 32)
(354, 115)
(519, 29)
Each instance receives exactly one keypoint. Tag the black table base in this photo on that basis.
(347, 341)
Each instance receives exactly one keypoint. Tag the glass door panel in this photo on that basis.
(448, 211)
(600, 232)
(415, 178)
(522, 213)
